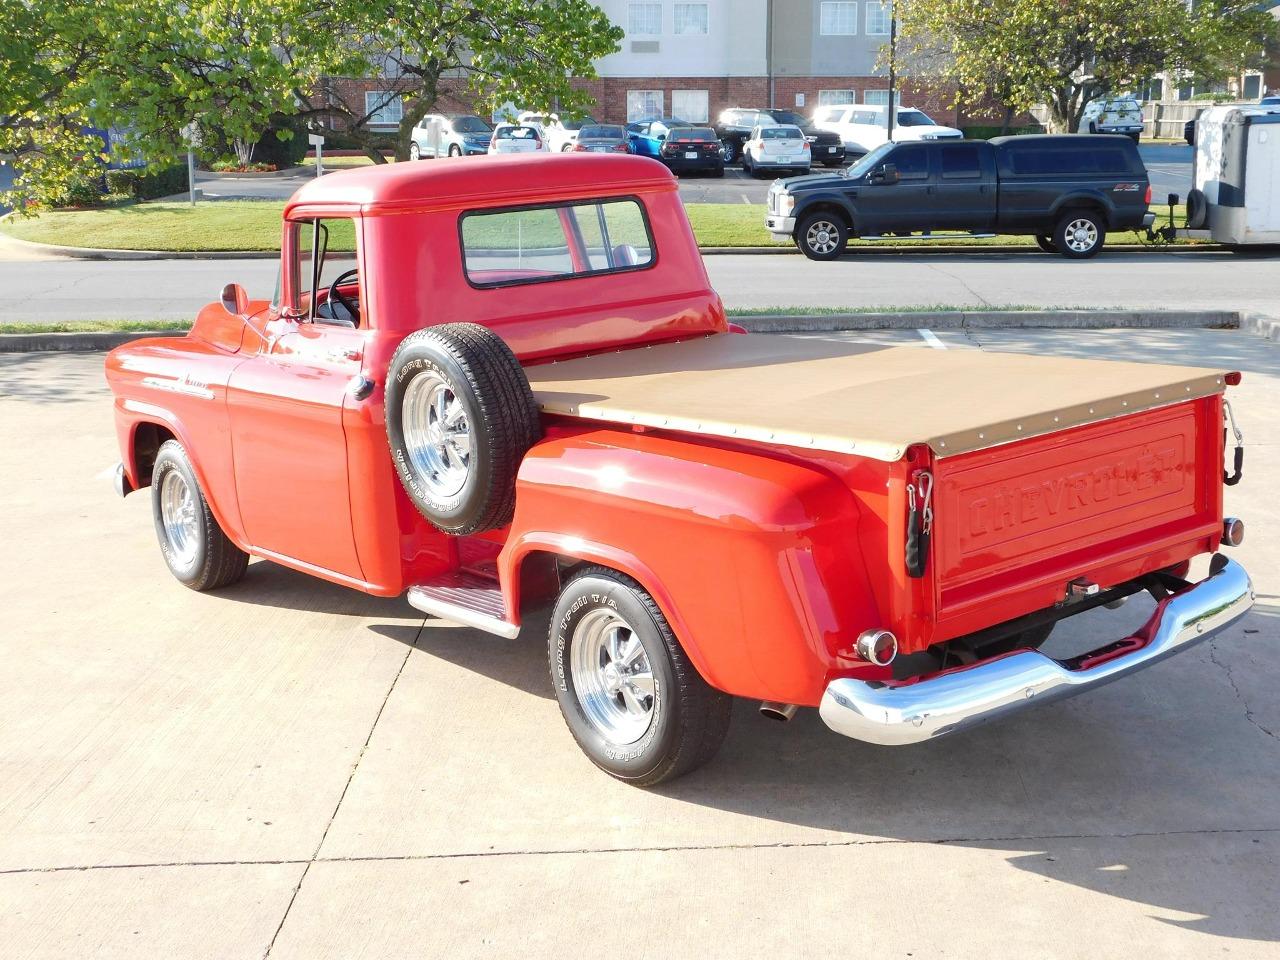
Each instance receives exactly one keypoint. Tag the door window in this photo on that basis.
(912, 162)
(961, 162)
(323, 251)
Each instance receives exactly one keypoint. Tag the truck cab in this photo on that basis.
(500, 384)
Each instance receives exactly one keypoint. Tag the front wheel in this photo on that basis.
(195, 548)
(822, 236)
(637, 707)
(455, 150)
(1045, 243)
(414, 152)
(1079, 234)
(728, 152)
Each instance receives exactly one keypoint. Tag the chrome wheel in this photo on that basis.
(437, 435)
(178, 516)
(414, 152)
(612, 676)
(822, 237)
(1081, 235)
(727, 152)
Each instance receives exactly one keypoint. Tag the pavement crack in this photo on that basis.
(1244, 702)
(355, 766)
(972, 292)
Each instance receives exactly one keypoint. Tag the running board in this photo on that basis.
(467, 599)
(926, 237)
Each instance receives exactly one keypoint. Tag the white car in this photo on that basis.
(866, 127)
(558, 134)
(516, 138)
(780, 146)
(1121, 115)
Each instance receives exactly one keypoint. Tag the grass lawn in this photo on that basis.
(255, 225)
(342, 163)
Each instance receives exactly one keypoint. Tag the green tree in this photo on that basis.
(1064, 53)
(487, 51)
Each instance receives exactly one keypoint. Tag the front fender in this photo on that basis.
(750, 555)
(826, 198)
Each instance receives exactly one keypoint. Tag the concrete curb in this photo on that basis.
(260, 175)
(992, 319)
(801, 323)
(76, 342)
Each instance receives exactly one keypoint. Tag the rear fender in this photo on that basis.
(751, 556)
(1090, 199)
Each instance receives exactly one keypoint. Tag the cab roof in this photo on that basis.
(492, 180)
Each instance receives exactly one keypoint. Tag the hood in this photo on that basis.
(903, 134)
(812, 181)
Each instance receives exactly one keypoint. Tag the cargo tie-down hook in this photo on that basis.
(919, 522)
(1231, 479)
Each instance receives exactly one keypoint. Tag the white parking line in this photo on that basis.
(746, 199)
(931, 339)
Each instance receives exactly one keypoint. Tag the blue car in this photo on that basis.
(646, 137)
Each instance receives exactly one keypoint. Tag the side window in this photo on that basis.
(912, 162)
(335, 241)
(508, 247)
(961, 162)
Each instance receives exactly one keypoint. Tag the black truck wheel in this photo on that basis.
(1079, 234)
(1045, 243)
(629, 695)
(195, 548)
(822, 236)
(1197, 210)
(460, 418)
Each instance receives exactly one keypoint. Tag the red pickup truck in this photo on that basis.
(522, 390)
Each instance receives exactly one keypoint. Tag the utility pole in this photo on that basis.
(892, 115)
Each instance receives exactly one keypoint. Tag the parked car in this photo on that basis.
(776, 147)
(692, 150)
(1066, 191)
(438, 135)
(1270, 100)
(826, 147)
(1189, 129)
(733, 126)
(887, 535)
(1113, 115)
(646, 137)
(558, 134)
(601, 138)
(864, 128)
(516, 138)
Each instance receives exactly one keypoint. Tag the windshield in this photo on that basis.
(786, 116)
(914, 118)
(868, 162)
(471, 125)
(578, 124)
(601, 131)
(703, 134)
(779, 133)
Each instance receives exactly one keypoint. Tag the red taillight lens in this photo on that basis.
(579, 148)
(1147, 198)
(622, 148)
(806, 144)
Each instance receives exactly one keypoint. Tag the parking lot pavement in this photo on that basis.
(291, 769)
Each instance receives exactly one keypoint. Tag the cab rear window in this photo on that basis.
(503, 248)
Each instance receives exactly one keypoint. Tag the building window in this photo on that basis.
(691, 19)
(644, 19)
(1153, 90)
(383, 109)
(839, 19)
(878, 98)
(1253, 86)
(836, 98)
(643, 103)
(691, 105)
(877, 18)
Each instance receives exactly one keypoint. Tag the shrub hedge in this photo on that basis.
(147, 183)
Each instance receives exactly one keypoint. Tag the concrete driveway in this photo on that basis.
(294, 770)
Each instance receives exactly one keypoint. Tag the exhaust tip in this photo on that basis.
(782, 712)
(877, 646)
(1232, 532)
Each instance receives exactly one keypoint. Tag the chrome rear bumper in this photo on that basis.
(913, 711)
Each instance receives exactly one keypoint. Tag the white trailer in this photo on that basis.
(1236, 175)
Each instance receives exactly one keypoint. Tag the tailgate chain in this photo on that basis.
(1229, 416)
(919, 523)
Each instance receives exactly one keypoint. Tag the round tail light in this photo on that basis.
(1232, 532)
(877, 646)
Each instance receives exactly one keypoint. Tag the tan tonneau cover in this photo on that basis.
(861, 398)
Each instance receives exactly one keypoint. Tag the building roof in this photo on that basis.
(520, 178)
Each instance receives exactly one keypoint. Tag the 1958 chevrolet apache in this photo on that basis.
(523, 390)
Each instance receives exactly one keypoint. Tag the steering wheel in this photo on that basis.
(352, 307)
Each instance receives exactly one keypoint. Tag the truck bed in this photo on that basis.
(863, 399)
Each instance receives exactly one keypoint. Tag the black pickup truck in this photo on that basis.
(1066, 191)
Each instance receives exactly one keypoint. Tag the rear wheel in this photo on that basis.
(195, 548)
(1045, 243)
(729, 151)
(822, 236)
(635, 704)
(455, 150)
(414, 152)
(1079, 234)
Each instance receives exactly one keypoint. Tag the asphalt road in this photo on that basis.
(289, 769)
(60, 290)
(1169, 167)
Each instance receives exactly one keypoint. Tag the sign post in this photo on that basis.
(317, 141)
(191, 134)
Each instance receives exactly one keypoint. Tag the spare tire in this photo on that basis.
(460, 418)
(1197, 210)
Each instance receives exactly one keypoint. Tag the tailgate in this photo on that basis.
(1106, 501)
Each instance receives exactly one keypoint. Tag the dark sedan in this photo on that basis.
(601, 138)
(825, 147)
(692, 150)
(732, 127)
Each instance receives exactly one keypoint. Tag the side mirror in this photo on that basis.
(234, 300)
(661, 136)
(886, 174)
